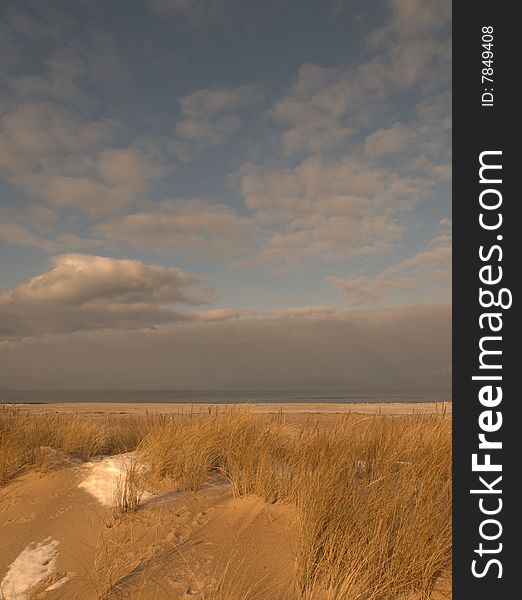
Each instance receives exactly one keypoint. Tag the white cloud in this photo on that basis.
(86, 292)
(52, 153)
(328, 209)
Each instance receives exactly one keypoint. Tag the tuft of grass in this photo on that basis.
(129, 490)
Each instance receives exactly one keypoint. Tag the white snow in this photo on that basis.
(104, 475)
(32, 566)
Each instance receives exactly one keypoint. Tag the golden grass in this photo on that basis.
(129, 489)
(373, 495)
(124, 566)
(374, 509)
(30, 440)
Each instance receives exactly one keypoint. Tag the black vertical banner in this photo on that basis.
(486, 267)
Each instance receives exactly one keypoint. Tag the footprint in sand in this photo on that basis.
(177, 586)
(60, 512)
(172, 536)
(181, 533)
(184, 588)
(184, 515)
(200, 519)
(21, 519)
(8, 501)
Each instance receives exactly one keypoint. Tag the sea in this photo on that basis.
(246, 396)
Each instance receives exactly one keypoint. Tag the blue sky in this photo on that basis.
(170, 164)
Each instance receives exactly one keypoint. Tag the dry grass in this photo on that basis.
(33, 441)
(373, 495)
(124, 567)
(129, 490)
(374, 509)
(250, 452)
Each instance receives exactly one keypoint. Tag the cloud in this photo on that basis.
(28, 225)
(303, 311)
(129, 166)
(222, 314)
(54, 154)
(312, 110)
(219, 100)
(319, 209)
(391, 140)
(326, 106)
(86, 292)
(58, 142)
(409, 346)
(210, 116)
(420, 146)
(48, 24)
(18, 235)
(208, 132)
(426, 273)
(413, 18)
(327, 209)
(341, 184)
(194, 227)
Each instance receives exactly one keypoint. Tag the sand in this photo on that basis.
(61, 539)
(294, 408)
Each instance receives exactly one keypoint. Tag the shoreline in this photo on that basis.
(130, 408)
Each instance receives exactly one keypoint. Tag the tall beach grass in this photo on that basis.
(372, 494)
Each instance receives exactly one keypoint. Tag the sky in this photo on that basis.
(201, 194)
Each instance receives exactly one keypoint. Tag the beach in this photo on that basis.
(122, 520)
(288, 408)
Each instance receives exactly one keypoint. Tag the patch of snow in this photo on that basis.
(32, 566)
(104, 476)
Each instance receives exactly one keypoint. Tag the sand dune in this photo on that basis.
(64, 535)
(60, 541)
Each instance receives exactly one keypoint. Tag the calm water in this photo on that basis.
(223, 396)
